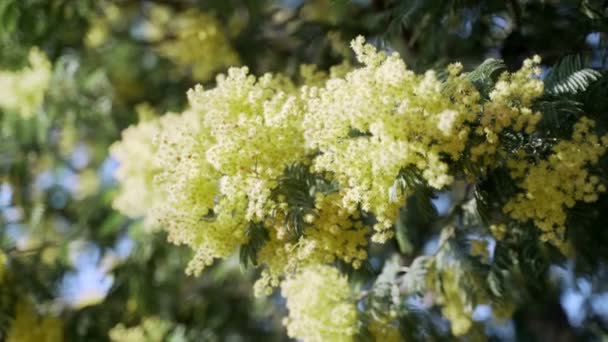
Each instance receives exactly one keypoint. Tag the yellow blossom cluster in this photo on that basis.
(453, 305)
(29, 326)
(479, 248)
(321, 305)
(555, 184)
(382, 118)
(151, 329)
(212, 171)
(192, 39)
(313, 77)
(220, 166)
(190, 186)
(456, 288)
(509, 106)
(333, 234)
(100, 26)
(23, 90)
(458, 308)
(136, 154)
(499, 231)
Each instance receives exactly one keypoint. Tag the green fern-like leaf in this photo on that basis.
(485, 75)
(415, 280)
(558, 115)
(418, 210)
(595, 99)
(258, 236)
(571, 75)
(297, 187)
(502, 262)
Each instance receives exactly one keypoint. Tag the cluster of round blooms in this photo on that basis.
(381, 119)
(458, 294)
(150, 329)
(217, 167)
(220, 167)
(457, 289)
(101, 25)
(97, 33)
(194, 40)
(454, 307)
(313, 77)
(557, 183)
(136, 154)
(499, 231)
(332, 234)
(29, 326)
(189, 184)
(23, 90)
(320, 303)
(509, 106)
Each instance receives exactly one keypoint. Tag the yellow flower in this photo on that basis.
(136, 154)
(28, 326)
(333, 234)
(220, 165)
(152, 329)
(381, 119)
(553, 185)
(213, 169)
(98, 33)
(320, 305)
(23, 90)
(195, 41)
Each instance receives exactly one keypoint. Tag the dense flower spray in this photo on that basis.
(23, 90)
(320, 303)
(139, 196)
(381, 119)
(150, 329)
(301, 176)
(557, 183)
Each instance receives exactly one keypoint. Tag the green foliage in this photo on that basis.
(298, 188)
(486, 74)
(570, 75)
(258, 235)
(558, 115)
(418, 213)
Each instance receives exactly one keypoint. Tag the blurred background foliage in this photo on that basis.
(66, 254)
